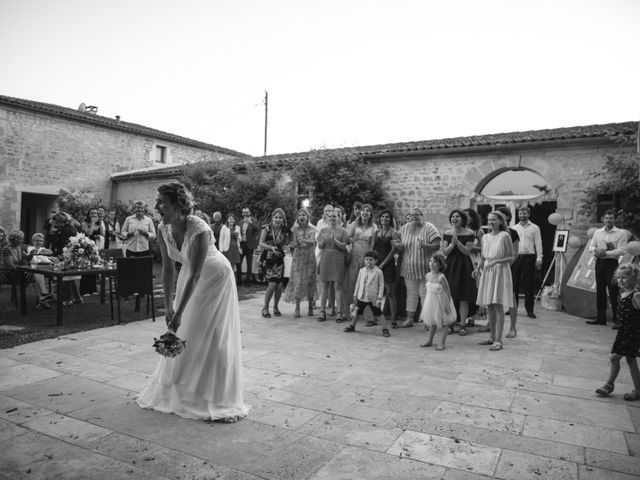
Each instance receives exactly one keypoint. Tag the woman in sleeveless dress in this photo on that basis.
(332, 241)
(386, 244)
(456, 245)
(495, 290)
(361, 235)
(205, 381)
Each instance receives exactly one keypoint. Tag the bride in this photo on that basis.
(205, 381)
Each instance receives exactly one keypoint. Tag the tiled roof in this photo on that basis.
(107, 122)
(155, 171)
(609, 130)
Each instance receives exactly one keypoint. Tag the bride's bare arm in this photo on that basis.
(168, 274)
(198, 254)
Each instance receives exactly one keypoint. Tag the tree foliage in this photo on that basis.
(339, 177)
(227, 189)
(621, 175)
(76, 202)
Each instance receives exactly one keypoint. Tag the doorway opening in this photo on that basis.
(34, 212)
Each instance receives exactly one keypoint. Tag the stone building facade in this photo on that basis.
(45, 148)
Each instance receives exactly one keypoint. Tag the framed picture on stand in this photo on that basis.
(561, 241)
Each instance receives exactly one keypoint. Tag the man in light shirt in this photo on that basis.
(136, 232)
(529, 259)
(607, 245)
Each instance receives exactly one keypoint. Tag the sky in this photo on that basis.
(339, 72)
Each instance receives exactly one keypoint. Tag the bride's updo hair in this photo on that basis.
(178, 194)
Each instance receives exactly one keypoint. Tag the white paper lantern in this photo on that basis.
(555, 219)
(575, 242)
(633, 248)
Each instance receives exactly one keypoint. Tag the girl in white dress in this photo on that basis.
(205, 381)
(495, 290)
(439, 311)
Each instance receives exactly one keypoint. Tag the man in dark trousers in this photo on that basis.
(250, 231)
(529, 259)
(607, 245)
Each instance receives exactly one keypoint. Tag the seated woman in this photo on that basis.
(38, 255)
(13, 255)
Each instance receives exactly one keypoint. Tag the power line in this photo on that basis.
(229, 118)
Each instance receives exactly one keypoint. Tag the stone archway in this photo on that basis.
(532, 189)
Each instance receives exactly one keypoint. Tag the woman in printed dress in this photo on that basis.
(273, 239)
(361, 237)
(302, 283)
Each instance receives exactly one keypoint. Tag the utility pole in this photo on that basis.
(266, 116)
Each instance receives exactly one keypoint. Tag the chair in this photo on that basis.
(113, 253)
(134, 276)
(9, 277)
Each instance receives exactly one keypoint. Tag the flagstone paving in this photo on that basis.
(327, 406)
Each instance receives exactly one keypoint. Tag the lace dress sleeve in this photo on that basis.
(195, 226)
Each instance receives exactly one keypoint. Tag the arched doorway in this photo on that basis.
(514, 187)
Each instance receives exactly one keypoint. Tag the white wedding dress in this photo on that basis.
(204, 382)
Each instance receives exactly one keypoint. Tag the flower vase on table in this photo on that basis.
(79, 252)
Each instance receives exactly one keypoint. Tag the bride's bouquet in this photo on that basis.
(169, 344)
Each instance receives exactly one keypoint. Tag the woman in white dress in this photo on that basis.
(495, 290)
(205, 381)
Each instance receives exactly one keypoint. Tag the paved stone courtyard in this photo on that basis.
(327, 405)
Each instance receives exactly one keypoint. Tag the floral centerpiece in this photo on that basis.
(80, 252)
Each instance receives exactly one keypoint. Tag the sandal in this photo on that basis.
(427, 344)
(371, 323)
(276, 312)
(462, 332)
(339, 319)
(488, 341)
(632, 396)
(349, 328)
(496, 347)
(605, 390)
(394, 324)
(265, 313)
(385, 332)
(323, 316)
(439, 347)
(406, 324)
(43, 304)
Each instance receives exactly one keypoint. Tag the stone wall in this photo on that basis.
(439, 183)
(42, 153)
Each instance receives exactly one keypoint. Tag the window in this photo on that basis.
(161, 154)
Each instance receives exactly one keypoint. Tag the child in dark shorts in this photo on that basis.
(369, 292)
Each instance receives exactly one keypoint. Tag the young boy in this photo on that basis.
(369, 291)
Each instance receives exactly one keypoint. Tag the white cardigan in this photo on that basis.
(225, 238)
